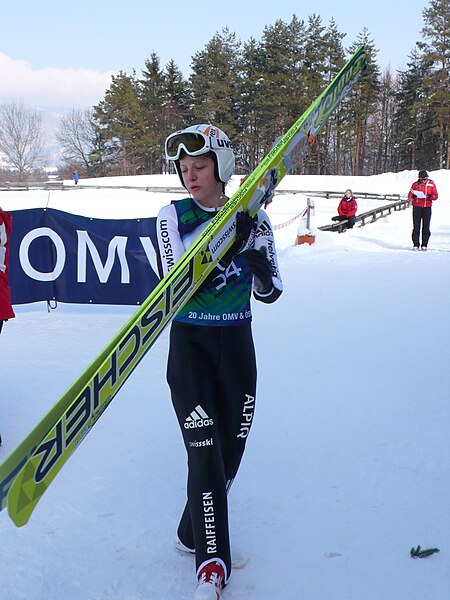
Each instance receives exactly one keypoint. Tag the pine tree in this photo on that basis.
(360, 107)
(413, 118)
(119, 120)
(331, 135)
(177, 98)
(314, 68)
(215, 81)
(151, 98)
(405, 129)
(314, 78)
(437, 30)
(275, 89)
(296, 65)
(382, 124)
(250, 145)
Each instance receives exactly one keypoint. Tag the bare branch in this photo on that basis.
(77, 137)
(21, 138)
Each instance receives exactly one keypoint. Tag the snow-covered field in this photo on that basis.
(347, 465)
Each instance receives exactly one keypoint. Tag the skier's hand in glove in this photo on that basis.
(260, 267)
(244, 226)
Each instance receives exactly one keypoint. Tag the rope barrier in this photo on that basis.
(281, 225)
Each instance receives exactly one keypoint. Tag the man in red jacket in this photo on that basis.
(6, 311)
(422, 194)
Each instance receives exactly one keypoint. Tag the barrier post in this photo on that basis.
(306, 237)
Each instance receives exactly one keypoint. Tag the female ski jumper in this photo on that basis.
(212, 372)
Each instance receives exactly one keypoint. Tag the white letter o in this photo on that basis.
(60, 254)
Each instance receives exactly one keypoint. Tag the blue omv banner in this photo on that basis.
(59, 256)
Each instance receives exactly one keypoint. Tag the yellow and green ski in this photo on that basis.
(28, 471)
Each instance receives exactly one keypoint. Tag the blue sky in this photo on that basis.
(54, 53)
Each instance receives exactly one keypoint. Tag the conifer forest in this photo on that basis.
(255, 89)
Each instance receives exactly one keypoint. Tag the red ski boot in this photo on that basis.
(211, 578)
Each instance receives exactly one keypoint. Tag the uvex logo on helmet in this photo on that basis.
(224, 144)
(218, 138)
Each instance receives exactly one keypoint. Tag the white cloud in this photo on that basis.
(73, 88)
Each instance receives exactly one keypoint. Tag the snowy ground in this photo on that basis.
(347, 464)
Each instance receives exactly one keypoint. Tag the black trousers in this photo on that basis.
(212, 376)
(421, 217)
(351, 220)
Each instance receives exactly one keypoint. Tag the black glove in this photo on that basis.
(413, 195)
(244, 226)
(429, 196)
(260, 267)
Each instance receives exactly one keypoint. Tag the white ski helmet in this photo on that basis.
(201, 139)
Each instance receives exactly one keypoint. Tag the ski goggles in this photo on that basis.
(192, 142)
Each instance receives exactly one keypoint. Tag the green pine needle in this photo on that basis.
(419, 553)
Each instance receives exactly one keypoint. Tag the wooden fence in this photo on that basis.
(370, 216)
(398, 203)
